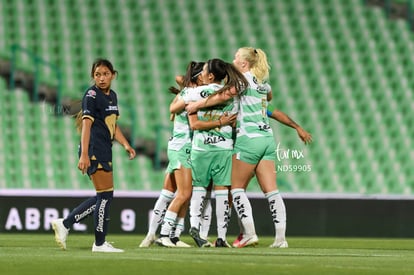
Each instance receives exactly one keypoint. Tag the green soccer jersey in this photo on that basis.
(181, 134)
(252, 120)
(220, 138)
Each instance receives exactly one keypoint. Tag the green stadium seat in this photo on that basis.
(333, 70)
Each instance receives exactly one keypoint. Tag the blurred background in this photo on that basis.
(342, 69)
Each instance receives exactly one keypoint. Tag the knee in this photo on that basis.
(184, 195)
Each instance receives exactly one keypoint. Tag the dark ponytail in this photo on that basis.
(228, 73)
(194, 69)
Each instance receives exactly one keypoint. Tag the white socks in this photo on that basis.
(278, 211)
(206, 217)
(222, 212)
(160, 208)
(179, 227)
(197, 206)
(169, 223)
(244, 210)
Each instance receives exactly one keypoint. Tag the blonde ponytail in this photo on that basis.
(258, 64)
(261, 68)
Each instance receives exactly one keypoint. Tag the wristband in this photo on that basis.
(269, 113)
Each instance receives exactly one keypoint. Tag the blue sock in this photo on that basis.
(101, 215)
(82, 211)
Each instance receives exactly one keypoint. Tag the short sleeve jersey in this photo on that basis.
(271, 108)
(102, 109)
(252, 119)
(181, 134)
(215, 139)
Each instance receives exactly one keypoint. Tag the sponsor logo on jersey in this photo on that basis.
(262, 89)
(204, 94)
(112, 108)
(265, 127)
(213, 139)
(91, 93)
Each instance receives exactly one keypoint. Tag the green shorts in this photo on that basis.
(211, 166)
(253, 150)
(178, 159)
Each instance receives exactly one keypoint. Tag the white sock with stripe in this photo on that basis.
(197, 206)
(222, 212)
(159, 210)
(168, 223)
(244, 210)
(278, 211)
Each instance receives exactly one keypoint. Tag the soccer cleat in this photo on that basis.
(237, 241)
(251, 240)
(221, 243)
(106, 247)
(165, 241)
(179, 243)
(195, 234)
(282, 244)
(148, 241)
(207, 244)
(61, 232)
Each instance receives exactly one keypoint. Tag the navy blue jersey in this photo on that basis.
(102, 109)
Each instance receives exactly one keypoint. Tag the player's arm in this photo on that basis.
(213, 100)
(84, 161)
(177, 105)
(286, 120)
(269, 96)
(179, 79)
(119, 137)
(196, 124)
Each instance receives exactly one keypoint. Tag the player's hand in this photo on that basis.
(227, 119)
(131, 151)
(232, 91)
(192, 107)
(84, 163)
(304, 136)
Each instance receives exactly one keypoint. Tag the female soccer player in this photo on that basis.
(283, 118)
(179, 167)
(178, 174)
(97, 123)
(212, 148)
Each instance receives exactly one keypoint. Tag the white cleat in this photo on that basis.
(182, 244)
(106, 247)
(61, 233)
(251, 240)
(165, 241)
(278, 244)
(179, 243)
(148, 241)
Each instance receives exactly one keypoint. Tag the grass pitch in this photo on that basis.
(38, 254)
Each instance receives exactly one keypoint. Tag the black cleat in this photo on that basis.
(174, 240)
(195, 234)
(221, 243)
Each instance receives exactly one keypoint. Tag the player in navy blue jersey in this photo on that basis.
(98, 127)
